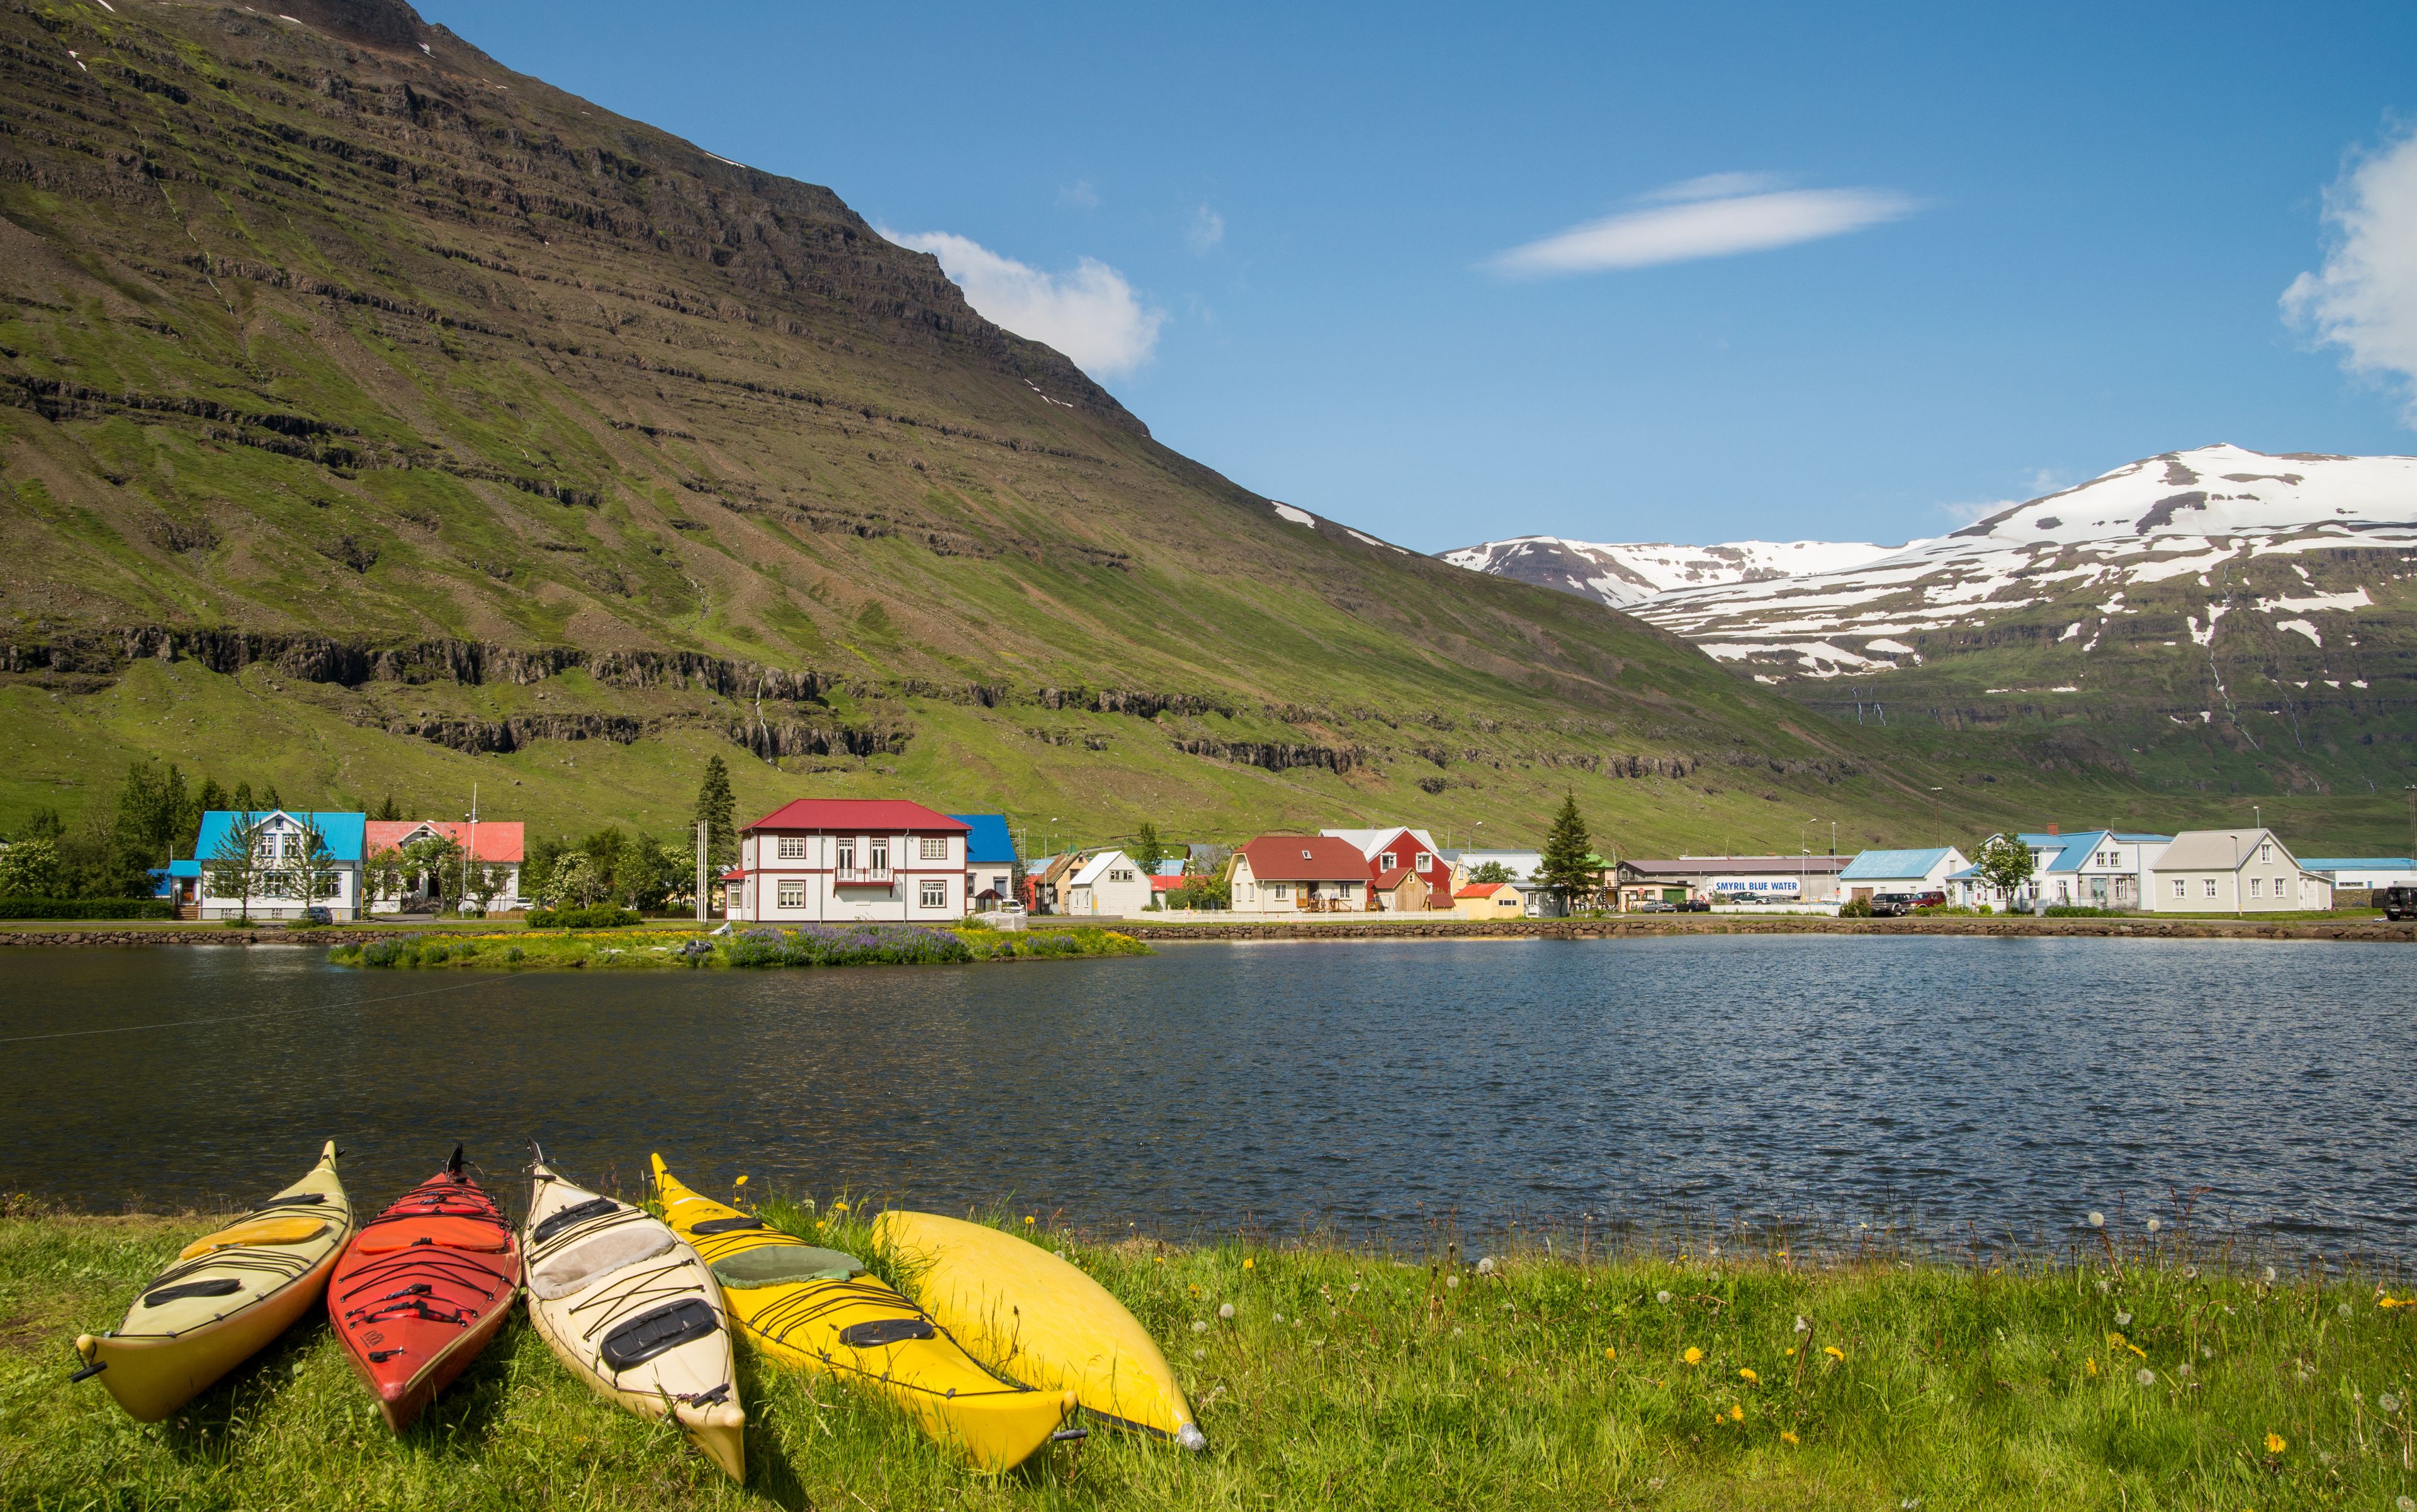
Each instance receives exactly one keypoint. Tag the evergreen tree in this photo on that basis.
(240, 799)
(386, 812)
(1146, 851)
(717, 807)
(1565, 868)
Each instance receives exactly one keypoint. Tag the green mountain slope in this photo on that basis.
(379, 418)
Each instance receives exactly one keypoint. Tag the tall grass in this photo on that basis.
(2135, 1379)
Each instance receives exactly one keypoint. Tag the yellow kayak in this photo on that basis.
(1041, 1321)
(226, 1297)
(817, 1308)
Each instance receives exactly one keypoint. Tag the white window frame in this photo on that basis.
(2258, 887)
(877, 858)
(792, 848)
(2211, 887)
(2181, 889)
(934, 892)
(934, 847)
(792, 892)
(1282, 892)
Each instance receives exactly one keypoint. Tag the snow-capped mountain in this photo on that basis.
(1622, 575)
(2197, 515)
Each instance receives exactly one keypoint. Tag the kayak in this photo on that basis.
(1040, 1320)
(227, 1295)
(817, 1308)
(632, 1309)
(422, 1288)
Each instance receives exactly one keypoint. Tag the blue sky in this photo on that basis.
(2051, 240)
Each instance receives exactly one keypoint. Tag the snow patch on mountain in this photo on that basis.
(1625, 574)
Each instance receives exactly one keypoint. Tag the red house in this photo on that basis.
(849, 859)
(1405, 869)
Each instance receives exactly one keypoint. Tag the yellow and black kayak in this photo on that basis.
(225, 1298)
(1041, 1321)
(817, 1308)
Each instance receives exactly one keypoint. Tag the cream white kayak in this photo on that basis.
(627, 1305)
(226, 1297)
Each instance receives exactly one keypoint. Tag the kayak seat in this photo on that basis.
(780, 1264)
(561, 1274)
(660, 1331)
(725, 1225)
(452, 1232)
(881, 1332)
(256, 1231)
(573, 1216)
(221, 1286)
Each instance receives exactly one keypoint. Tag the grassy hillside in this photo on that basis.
(377, 420)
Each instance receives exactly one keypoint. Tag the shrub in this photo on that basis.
(402, 952)
(602, 916)
(1855, 909)
(31, 908)
(2076, 910)
(846, 945)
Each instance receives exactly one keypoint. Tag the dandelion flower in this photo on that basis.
(2122, 1319)
(1611, 1353)
(1452, 1281)
(1485, 1265)
(839, 1207)
(1226, 1312)
(2276, 1444)
(1250, 1265)
(1791, 1352)
(1028, 1220)
(2389, 1403)
(2407, 1504)
(2097, 1220)
(1787, 1436)
(1749, 1377)
(1833, 1352)
(1198, 1326)
(2091, 1365)
(741, 1182)
(2146, 1378)
(2270, 1274)
(1737, 1413)
(1159, 1258)
(1662, 1297)
(1694, 1355)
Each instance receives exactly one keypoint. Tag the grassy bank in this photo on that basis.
(656, 950)
(1345, 1379)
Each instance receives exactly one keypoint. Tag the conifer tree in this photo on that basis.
(1565, 868)
(717, 808)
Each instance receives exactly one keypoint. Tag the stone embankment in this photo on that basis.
(2146, 926)
(170, 934)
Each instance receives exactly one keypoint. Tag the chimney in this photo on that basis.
(2051, 829)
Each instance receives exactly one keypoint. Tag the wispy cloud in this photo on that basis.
(2365, 299)
(1078, 195)
(1718, 215)
(1091, 314)
(1208, 228)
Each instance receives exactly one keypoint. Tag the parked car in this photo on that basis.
(1663, 906)
(1695, 906)
(1898, 905)
(2400, 902)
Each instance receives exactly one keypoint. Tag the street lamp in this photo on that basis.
(1936, 829)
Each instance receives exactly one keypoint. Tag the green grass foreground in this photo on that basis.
(1350, 1380)
(646, 950)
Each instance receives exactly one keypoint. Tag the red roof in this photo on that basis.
(1166, 884)
(499, 840)
(1305, 858)
(1481, 890)
(858, 816)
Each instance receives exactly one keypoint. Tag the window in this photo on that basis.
(847, 855)
(934, 847)
(2255, 883)
(793, 895)
(1121, 876)
(1283, 892)
(935, 895)
(2181, 889)
(1389, 862)
(792, 848)
(878, 859)
(1425, 861)
(2266, 851)
(2211, 887)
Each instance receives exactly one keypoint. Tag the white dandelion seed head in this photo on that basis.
(1662, 1297)
(1279, 1317)
(1456, 1333)
(2104, 1286)
(1355, 1289)
(1801, 1326)
(2270, 1273)
(1199, 1327)
(1226, 1311)
(2097, 1220)
(1452, 1281)
(2146, 1377)
(2389, 1403)
(2407, 1504)
(2184, 1370)
(2122, 1319)
(1200, 1354)
(2154, 1226)
(1485, 1265)
(1714, 1251)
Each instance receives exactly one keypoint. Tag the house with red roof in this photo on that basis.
(490, 842)
(1285, 874)
(850, 860)
(1404, 867)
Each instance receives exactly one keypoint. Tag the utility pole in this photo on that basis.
(704, 828)
(1937, 832)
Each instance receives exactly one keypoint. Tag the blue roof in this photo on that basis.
(2369, 863)
(1171, 866)
(990, 844)
(1893, 864)
(344, 833)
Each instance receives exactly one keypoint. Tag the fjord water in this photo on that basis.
(1952, 1087)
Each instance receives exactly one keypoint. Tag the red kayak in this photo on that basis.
(422, 1288)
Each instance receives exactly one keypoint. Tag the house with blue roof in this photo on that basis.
(1875, 872)
(279, 841)
(2351, 874)
(990, 860)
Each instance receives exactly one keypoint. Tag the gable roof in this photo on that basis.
(858, 816)
(1483, 890)
(1371, 841)
(1305, 858)
(498, 840)
(1163, 883)
(988, 842)
(1890, 866)
(1098, 867)
(2218, 851)
(342, 831)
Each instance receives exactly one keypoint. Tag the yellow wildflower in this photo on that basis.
(1788, 1437)
(2276, 1444)
(839, 1207)
(1833, 1352)
(1694, 1355)
(1737, 1413)
(1610, 1353)
(2115, 1342)
(741, 1182)
(2091, 1365)
(1749, 1377)
(1250, 1265)
(1027, 1220)
(1791, 1352)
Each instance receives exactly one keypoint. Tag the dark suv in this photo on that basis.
(2400, 902)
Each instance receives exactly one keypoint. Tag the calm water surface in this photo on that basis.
(1947, 1085)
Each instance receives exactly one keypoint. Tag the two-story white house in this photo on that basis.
(850, 860)
(272, 881)
(2233, 871)
(1110, 882)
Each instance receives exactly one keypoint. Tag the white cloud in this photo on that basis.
(1964, 514)
(2365, 299)
(1715, 216)
(1208, 228)
(1091, 314)
(1079, 195)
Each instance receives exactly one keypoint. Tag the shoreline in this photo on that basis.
(116, 933)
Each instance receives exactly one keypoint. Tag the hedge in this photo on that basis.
(604, 916)
(87, 908)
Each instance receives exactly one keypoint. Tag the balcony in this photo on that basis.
(863, 877)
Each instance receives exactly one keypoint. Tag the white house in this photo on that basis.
(1900, 871)
(1110, 882)
(850, 860)
(1288, 875)
(2234, 871)
(2370, 874)
(280, 841)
